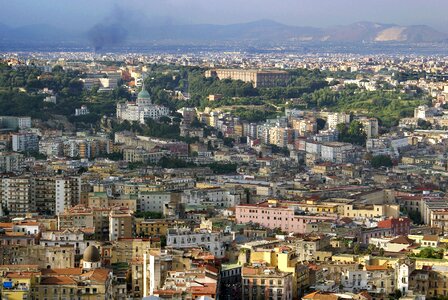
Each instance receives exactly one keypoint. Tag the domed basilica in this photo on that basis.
(141, 109)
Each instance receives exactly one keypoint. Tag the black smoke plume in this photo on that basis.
(111, 31)
(107, 35)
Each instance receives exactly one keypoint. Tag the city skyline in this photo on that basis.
(321, 13)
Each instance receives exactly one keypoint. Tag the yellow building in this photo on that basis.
(285, 260)
(370, 211)
(155, 227)
(17, 285)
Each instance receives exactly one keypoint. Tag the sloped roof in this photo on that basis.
(402, 240)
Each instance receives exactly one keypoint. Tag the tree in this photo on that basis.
(381, 161)
(415, 216)
(371, 248)
(429, 252)
(423, 124)
(397, 294)
(320, 123)
(381, 252)
(165, 119)
(356, 248)
(353, 133)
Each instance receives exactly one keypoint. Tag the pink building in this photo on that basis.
(272, 214)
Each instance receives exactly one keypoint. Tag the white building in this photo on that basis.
(73, 237)
(355, 280)
(402, 271)
(141, 110)
(27, 227)
(15, 122)
(215, 197)
(336, 118)
(10, 162)
(67, 194)
(25, 141)
(82, 111)
(50, 99)
(153, 201)
(185, 238)
(333, 151)
(423, 112)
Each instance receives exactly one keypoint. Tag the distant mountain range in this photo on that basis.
(258, 31)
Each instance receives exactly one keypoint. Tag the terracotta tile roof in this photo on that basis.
(167, 292)
(14, 267)
(432, 238)
(57, 280)
(401, 240)
(98, 275)
(62, 272)
(365, 295)
(21, 274)
(6, 225)
(206, 289)
(376, 268)
(321, 296)
(346, 220)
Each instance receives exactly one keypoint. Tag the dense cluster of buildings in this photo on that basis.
(276, 209)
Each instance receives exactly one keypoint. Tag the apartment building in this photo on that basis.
(16, 195)
(181, 238)
(215, 197)
(261, 282)
(11, 162)
(121, 224)
(25, 142)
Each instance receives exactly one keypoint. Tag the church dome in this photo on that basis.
(91, 254)
(143, 94)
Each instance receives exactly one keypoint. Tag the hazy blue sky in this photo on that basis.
(82, 14)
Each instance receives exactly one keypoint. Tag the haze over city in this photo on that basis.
(82, 14)
(216, 150)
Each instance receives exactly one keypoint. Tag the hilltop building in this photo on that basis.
(141, 109)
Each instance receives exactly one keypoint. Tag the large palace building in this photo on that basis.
(256, 77)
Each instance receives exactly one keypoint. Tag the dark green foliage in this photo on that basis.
(388, 106)
(174, 163)
(68, 88)
(320, 123)
(353, 133)
(405, 76)
(148, 215)
(430, 253)
(423, 124)
(396, 295)
(21, 104)
(201, 86)
(255, 115)
(279, 150)
(381, 161)
(223, 168)
(228, 141)
(90, 118)
(416, 217)
(217, 168)
(116, 156)
(161, 130)
(37, 155)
